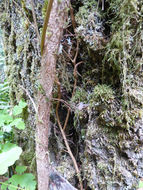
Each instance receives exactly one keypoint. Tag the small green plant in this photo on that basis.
(21, 180)
(8, 120)
(10, 152)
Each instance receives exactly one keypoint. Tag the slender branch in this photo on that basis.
(65, 139)
(77, 50)
(74, 88)
(72, 17)
(67, 55)
(34, 105)
(75, 81)
(74, 63)
(48, 11)
(63, 101)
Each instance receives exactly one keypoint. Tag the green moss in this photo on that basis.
(103, 167)
(80, 96)
(102, 93)
(90, 25)
(122, 47)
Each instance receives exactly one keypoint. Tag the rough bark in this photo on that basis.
(47, 77)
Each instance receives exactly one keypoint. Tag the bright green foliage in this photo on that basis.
(20, 169)
(10, 153)
(7, 121)
(22, 104)
(25, 182)
(18, 123)
(19, 108)
(5, 118)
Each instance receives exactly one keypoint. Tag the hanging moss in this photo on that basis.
(90, 25)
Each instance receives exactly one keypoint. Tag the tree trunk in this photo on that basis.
(47, 77)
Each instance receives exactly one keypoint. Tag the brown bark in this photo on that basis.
(47, 77)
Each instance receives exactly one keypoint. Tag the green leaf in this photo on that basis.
(25, 181)
(18, 123)
(7, 146)
(17, 110)
(9, 155)
(20, 169)
(4, 185)
(5, 118)
(141, 184)
(22, 104)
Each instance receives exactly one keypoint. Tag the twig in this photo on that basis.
(65, 139)
(74, 88)
(67, 55)
(72, 17)
(34, 105)
(48, 11)
(76, 54)
(75, 80)
(63, 101)
(35, 21)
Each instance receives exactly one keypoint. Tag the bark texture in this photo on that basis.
(56, 23)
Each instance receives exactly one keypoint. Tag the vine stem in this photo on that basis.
(48, 11)
(64, 137)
